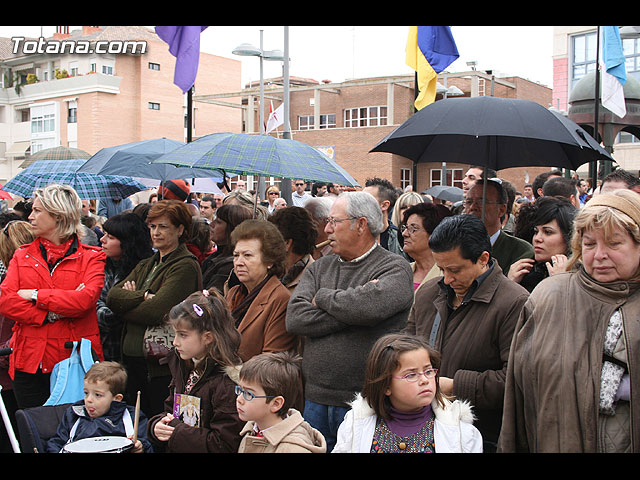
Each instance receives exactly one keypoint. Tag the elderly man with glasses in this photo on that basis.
(342, 305)
(505, 248)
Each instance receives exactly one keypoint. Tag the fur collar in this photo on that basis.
(454, 412)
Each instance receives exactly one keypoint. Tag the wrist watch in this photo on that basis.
(34, 296)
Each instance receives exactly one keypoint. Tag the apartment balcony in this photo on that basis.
(63, 87)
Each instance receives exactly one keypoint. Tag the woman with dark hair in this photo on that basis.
(125, 242)
(418, 223)
(259, 303)
(218, 266)
(552, 222)
(199, 242)
(143, 299)
(299, 232)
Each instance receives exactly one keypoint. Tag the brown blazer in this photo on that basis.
(263, 326)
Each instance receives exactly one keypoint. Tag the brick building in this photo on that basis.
(348, 119)
(574, 56)
(90, 101)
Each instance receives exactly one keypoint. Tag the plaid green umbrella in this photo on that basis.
(244, 154)
(88, 186)
(56, 153)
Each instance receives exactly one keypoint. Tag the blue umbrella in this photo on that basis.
(244, 154)
(135, 160)
(88, 186)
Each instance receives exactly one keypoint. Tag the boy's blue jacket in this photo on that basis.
(110, 424)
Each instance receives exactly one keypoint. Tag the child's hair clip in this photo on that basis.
(198, 309)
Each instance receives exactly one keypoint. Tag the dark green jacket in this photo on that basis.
(174, 279)
(508, 250)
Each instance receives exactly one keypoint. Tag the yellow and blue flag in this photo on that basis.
(429, 51)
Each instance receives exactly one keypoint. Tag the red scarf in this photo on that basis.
(55, 252)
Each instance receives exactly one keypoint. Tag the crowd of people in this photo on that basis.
(368, 320)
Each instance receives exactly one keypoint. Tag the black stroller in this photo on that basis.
(36, 425)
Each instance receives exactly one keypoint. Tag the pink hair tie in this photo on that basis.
(205, 293)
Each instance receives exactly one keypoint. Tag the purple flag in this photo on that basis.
(184, 44)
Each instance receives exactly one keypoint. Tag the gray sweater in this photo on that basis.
(351, 314)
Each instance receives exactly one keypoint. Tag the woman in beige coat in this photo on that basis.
(573, 376)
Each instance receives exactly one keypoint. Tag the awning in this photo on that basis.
(18, 149)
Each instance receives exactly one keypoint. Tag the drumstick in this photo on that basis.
(136, 420)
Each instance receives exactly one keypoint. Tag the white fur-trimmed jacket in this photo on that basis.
(453, 428)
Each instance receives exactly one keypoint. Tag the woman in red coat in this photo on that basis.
(50, 292)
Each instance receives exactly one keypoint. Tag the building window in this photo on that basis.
(107, 69)
(94, 67)
(631, 49)
(454, 177)
(154, 66)
(405, 177)
(305, 122)
(43, 123)
(583, 55)
(72, 117)
(154, 106)
(365, 117)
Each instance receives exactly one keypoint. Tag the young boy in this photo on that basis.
(102, 413)
(269, 384)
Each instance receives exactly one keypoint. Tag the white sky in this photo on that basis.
(337, 53)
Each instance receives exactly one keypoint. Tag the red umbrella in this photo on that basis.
(4, 195)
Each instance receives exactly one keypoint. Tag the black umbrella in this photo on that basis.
(494, 132)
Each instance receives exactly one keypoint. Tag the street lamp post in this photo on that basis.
(249, 50)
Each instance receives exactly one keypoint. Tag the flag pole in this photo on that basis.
(596, 103)
(189, 114)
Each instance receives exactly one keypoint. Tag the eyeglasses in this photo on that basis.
(409, 228)
(414, 376)
(248, 396)
(299, 184)
(333, 221)
(273, 193)
(5, 230)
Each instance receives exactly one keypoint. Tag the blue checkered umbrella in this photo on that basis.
(88, 186)
(244, 154)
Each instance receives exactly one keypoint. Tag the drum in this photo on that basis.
(99, 445)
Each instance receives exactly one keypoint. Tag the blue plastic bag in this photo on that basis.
(67, 376)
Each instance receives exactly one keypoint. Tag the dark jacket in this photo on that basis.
(508, 249)
(474, 340)
(220, 426)
(216, 269)
(174, 279)
(110, 424)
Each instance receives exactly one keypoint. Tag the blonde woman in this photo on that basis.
(50, 291)
(573, 378)
(406, 200)
(273, 193)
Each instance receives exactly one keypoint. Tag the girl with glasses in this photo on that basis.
(401, 408)
(204, 361)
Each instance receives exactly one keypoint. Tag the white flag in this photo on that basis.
(614, 73)
(276, 118)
